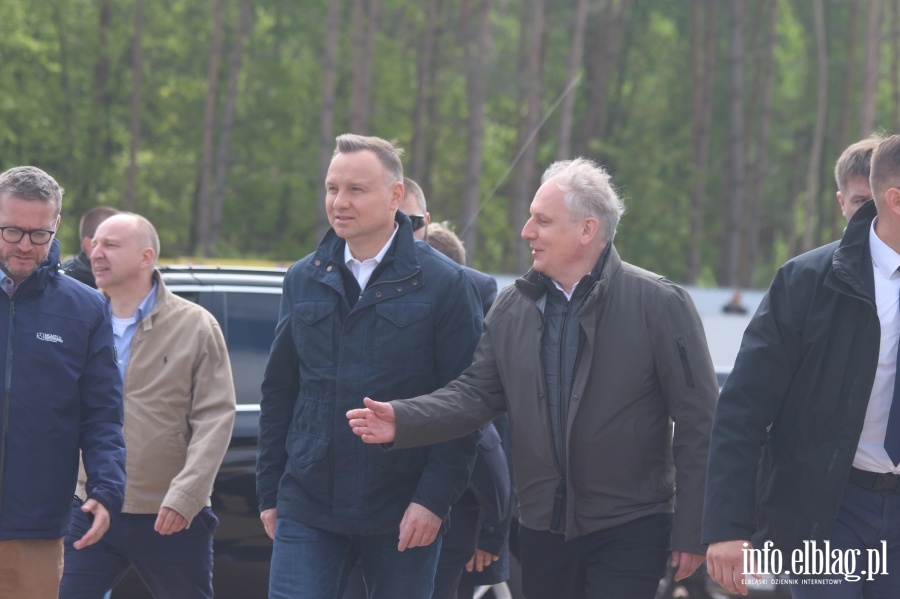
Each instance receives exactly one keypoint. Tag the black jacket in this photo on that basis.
(79, 268)
(795, 402)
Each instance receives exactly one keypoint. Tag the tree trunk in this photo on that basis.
(137, 69)
(760, 166)
(366, 20)
(329, 90)
(849, 79)
(576, 51)
(815, 154)
(871, 70)
(475, 52)
(602, 55)
(525, 181)
(68, 108)
(202, 210)
(96, 140)
(425, 70)
(222, 154)
(734, 200)
(703, 58)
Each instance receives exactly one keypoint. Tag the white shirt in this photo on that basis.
(363, 270)
(569, 294)
(870, 454)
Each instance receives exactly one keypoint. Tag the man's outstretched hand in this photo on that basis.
(375, 423)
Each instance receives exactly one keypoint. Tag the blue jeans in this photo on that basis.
(866, 518)
(311, 563)
(626, 561)
(177, 566)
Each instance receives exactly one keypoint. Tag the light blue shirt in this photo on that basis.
(123, 330)
(8, 285)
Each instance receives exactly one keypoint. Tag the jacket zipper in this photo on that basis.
(559, 495)
(685, 362)
(7, 386)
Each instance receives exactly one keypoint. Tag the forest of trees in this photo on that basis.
(719, 120)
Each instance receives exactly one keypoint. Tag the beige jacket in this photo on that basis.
(179, 408)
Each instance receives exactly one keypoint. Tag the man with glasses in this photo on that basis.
(413, 206)
(62, 393)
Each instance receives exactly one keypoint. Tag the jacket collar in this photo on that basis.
(533, 285)
(851, 266)
(400, 262)
(162, 299)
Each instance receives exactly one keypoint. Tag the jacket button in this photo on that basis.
(574, 398)
(318, 263)
(414, 283)
(328, 268)
(378, 294)
(399, 289)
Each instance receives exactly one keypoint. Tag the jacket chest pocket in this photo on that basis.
(313, 326)
(403, 335)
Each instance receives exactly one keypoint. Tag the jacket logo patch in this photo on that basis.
(50, 337)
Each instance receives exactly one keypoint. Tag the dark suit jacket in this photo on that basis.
(487, 287)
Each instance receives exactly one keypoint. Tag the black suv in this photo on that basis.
(245, 302)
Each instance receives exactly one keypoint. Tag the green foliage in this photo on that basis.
(59, 111)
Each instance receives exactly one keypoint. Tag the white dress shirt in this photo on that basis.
(363, 270)
(871, 455)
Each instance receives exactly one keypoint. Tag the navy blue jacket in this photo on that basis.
(412, 330)
(793, 408)
(62, 392)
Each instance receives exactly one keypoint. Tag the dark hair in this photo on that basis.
(91, 219)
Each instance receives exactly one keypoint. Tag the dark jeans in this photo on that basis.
(457, 549)
(311, 563)
(173, 566)
(624, 561)
(866, 518)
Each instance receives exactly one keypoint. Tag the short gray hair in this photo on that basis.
(31, 183)
(387, 152)
(588, 193)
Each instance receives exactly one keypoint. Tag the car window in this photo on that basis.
(249, 329)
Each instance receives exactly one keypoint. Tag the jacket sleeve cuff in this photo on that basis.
(185, 505)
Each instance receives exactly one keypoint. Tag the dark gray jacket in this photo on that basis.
(643, 363)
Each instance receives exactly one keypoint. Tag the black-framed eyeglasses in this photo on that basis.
(418, 221)
(37, 236)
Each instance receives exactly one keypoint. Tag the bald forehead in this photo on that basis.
(125, 225)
